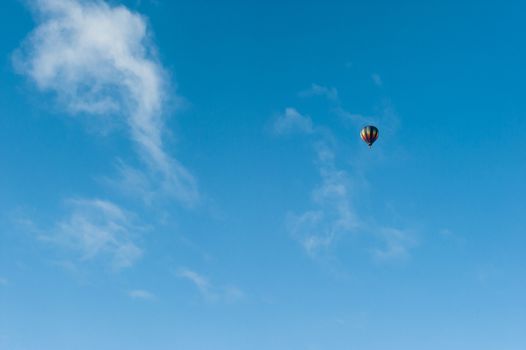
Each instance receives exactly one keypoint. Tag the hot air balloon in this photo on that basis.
(369, 134)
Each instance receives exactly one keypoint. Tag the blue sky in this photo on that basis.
(189, 175)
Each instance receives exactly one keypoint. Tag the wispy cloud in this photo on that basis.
(3, 281)
(97, 228)
(384, 114)
(319, 90)
(397, 244)
(209, 291)
(452, 236)
(333, 215)
(132, 182)
(141, 294)
(331, 94)
(292, 121)
(377, 80)
(199, 281)
(99, 60)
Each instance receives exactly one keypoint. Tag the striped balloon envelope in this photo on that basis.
(369, 134)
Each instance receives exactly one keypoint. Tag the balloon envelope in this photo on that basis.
(369, 134)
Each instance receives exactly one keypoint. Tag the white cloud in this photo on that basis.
(209, 291)
(331, 94)
(199, 281)
(97, 229)
(133, 182)
(292, 121)
(452, 236)
(317, 229)
(99, 59)
(377, 80)
(355, 118)
(397, 244)
(318, 90)
(141, 294)
(332, 214)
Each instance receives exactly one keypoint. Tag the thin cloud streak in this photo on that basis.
(318, 229)
(99, 60)
(319, 90)
(96, 228)
(377, 80)
(332, 95)
(141, 294)
(397, 244)
(292, 121)
(210, 292)
(199, 281)
(333, 215)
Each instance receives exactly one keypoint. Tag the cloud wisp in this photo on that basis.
(333, 214)
(98, 59)
(210, 292)
(333, 97)
(397, 244)
(141, 294)
(377, 80)
(291, 121)
(97, 229)
(330, 93)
